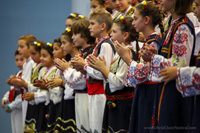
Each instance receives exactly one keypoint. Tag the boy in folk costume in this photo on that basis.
(14, 97)
(100, 25)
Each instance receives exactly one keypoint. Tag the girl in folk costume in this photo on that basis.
(124, 8)
(68, 112)
(119, 98)
(23, 48)
(57, 83)
(14, 97)
(44, 91)
(75, 79)
(147, 15)
(171, 109)
(37, 70)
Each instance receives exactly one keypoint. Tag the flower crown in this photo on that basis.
(68, 30)
(37, 44)
(81, 16)
(144, 3)
(123, 20)
(50, 44)
(73, 15)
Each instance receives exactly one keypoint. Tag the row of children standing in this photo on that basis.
(110, 83)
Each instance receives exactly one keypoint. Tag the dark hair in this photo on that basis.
(152, 10)
(49, 48)
(182, 7)
(28, 38)
(125, 25)
(73, 15)
(102, 16)
(17, 53)
(81, 27)
(101, 2)
(38, 44)
(57, 40)
(68, 35)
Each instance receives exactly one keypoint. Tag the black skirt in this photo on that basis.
(117, 119)
(142, 108)
(174, 113)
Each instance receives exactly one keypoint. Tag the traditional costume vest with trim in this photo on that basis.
(125, 93)
(198, 60)
(14, 93)
(166, 50)
(96, 86)
(128, 14)
(153, 38)
(35, 72)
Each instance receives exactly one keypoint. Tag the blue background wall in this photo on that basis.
(45, 19)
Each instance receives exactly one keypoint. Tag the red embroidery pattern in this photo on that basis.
(179, 50)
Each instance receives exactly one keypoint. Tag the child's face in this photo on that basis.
(35, 55)
(23, 48)
(69, 23)
(138, 21)
(46, 58)
(197, 9)
(121, 5)
(94, 5)
(66, 45)
(95, 28)
(19, 61)
(57, 51)
(109, 4)
(167, 5)
(116, 34)
(78, 40)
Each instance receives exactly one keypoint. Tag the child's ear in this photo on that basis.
(103, 26)
(147, 20)
(126, 35)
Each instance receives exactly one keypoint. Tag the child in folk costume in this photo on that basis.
(119, 98)
(23, 48)
(124, 8)
(32, 95)
(57, 83)
(171, 108)
(100, 25)
(44, 90)
(14, 97)
(75, 79)
(70, 19)
(147, 15)
(68, 112)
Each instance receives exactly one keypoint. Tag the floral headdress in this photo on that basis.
(123, 20)
(81, 16)
(144, 3)
(50, 44)
(37, 44)
(73, 15)
(68, 30)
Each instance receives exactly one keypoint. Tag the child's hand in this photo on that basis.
(10, 79)
(123, 51)
(61, 64)
(146, 52)
(54, 82)
(29, 96)
(98, 64)
(78, 63)
(41, 84)
(19, 82)
(3, 102)
(168, 74)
